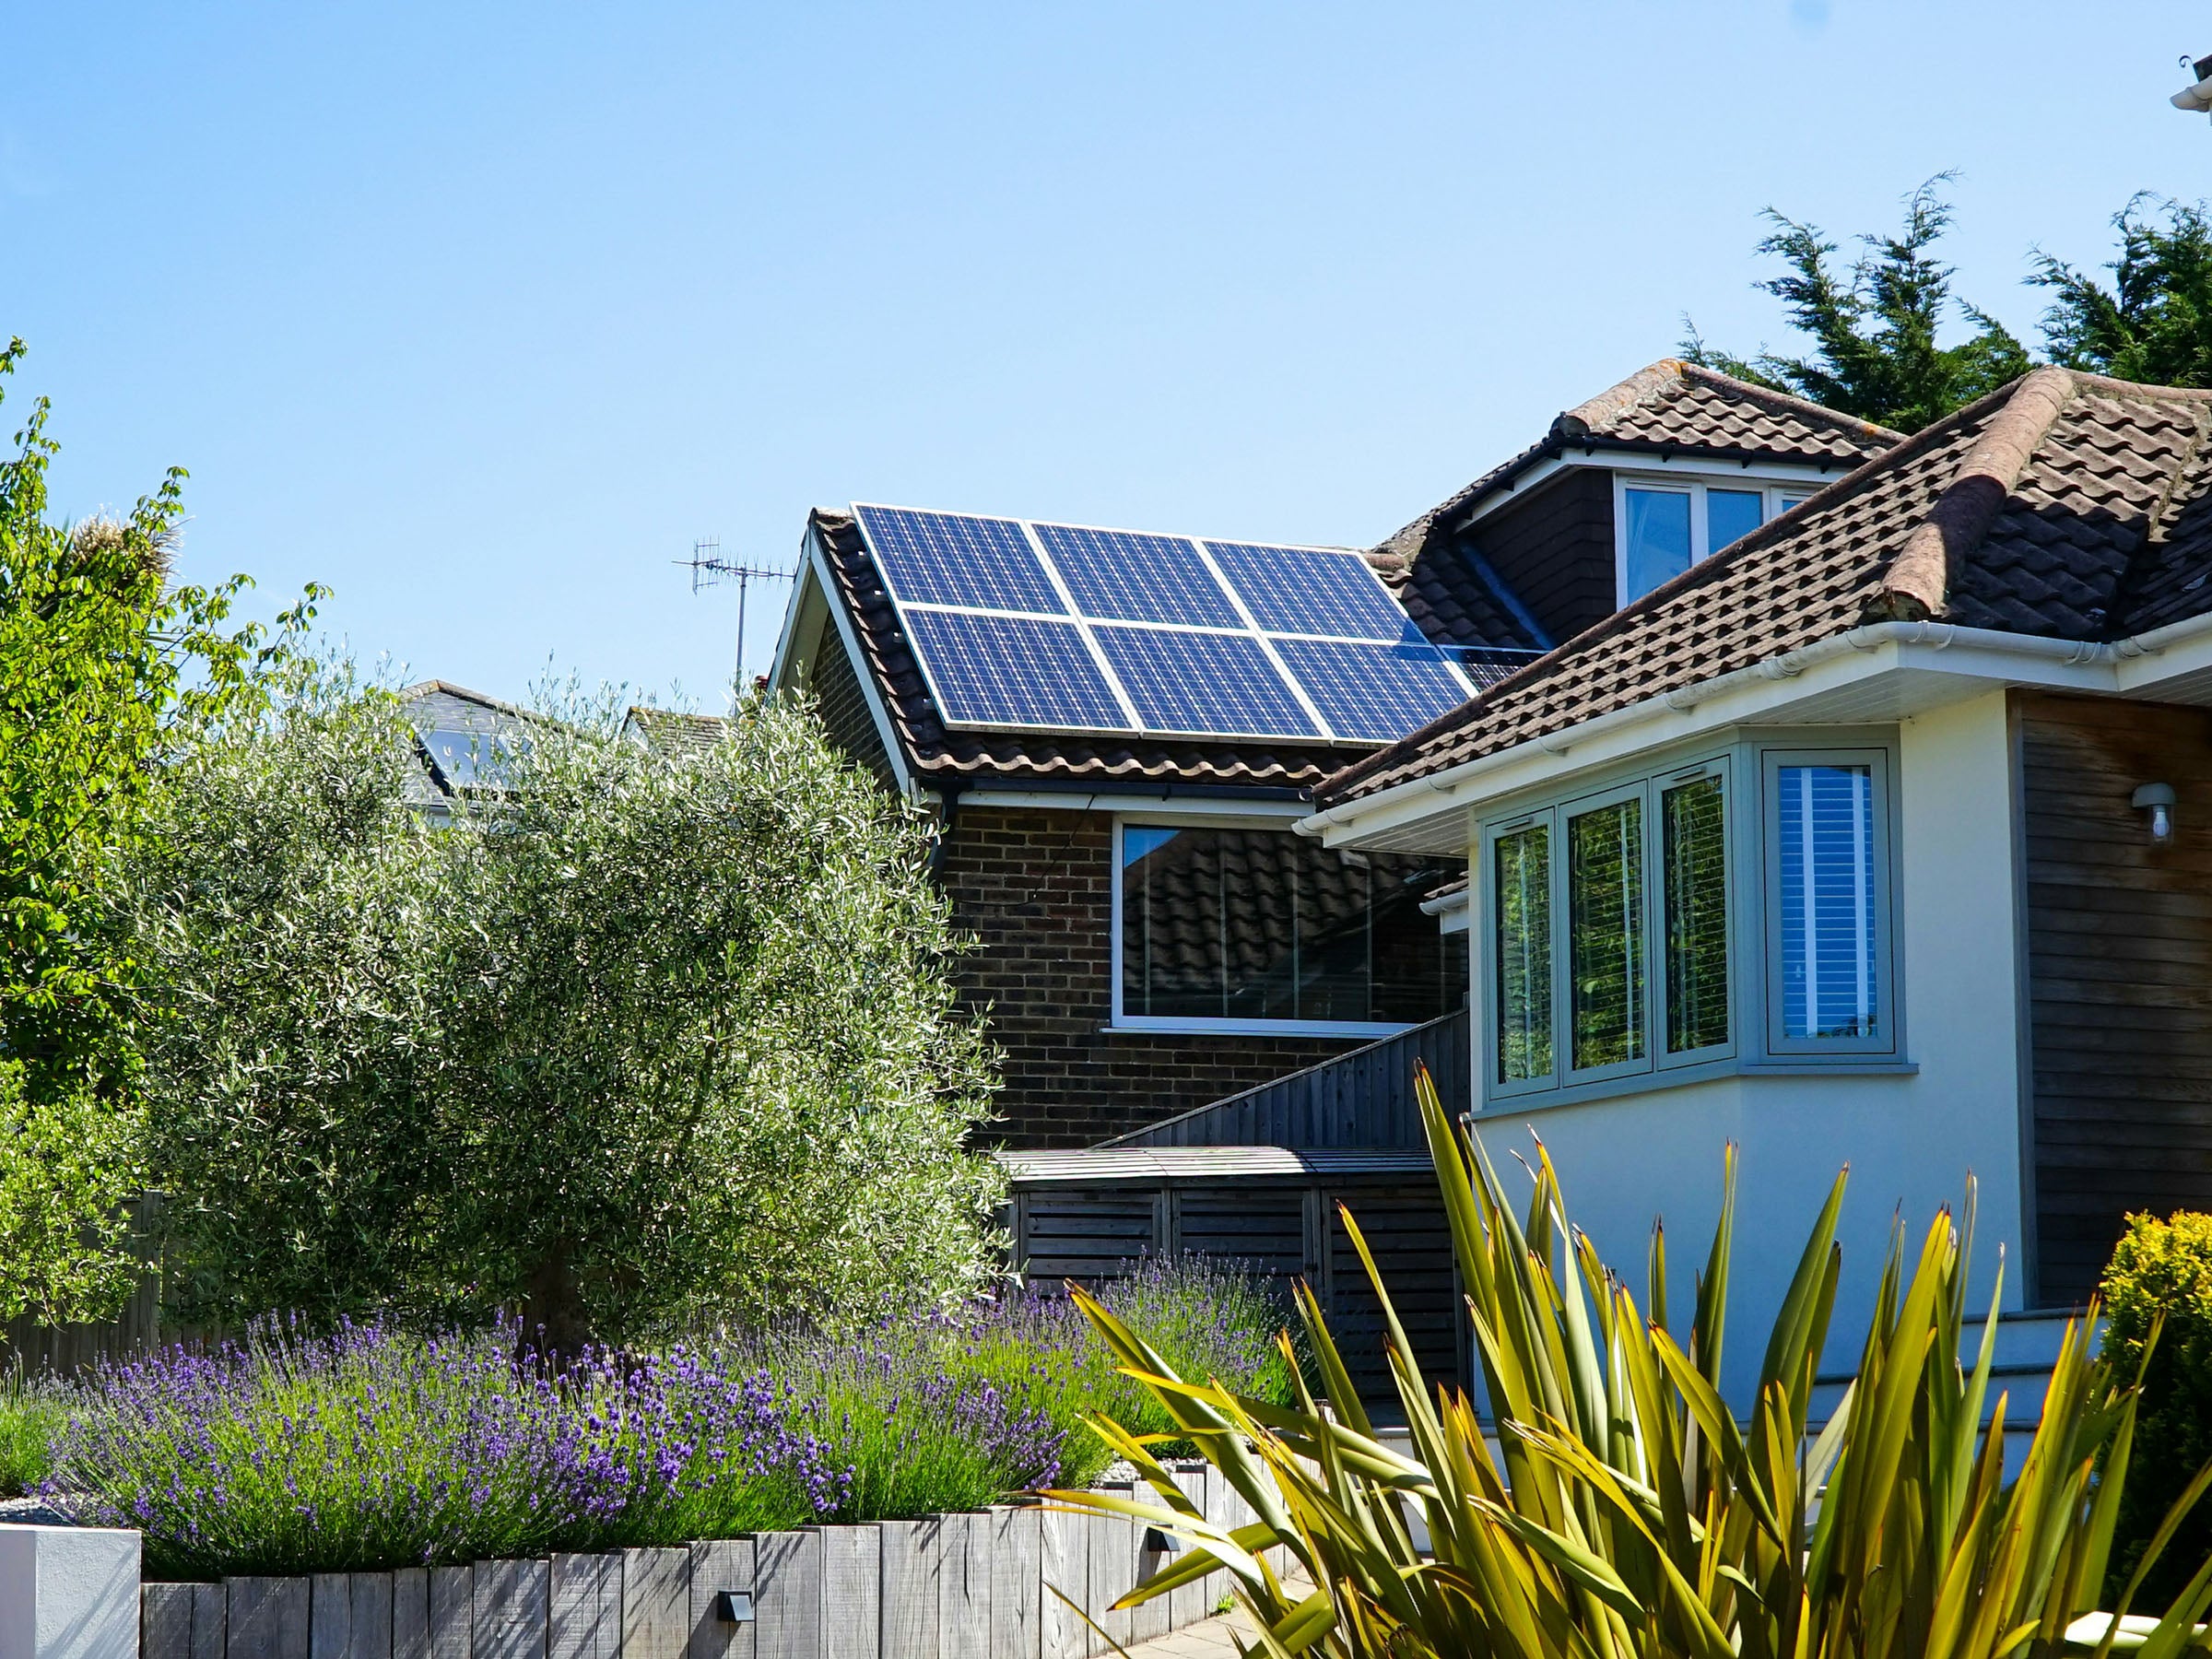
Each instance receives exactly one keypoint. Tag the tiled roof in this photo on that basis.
(675, 732)
(2064, 505)
(1674, 408)
(938, 754)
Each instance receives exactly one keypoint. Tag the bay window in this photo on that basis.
(1624, 928)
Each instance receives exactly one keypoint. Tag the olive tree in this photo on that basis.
(638, 1038)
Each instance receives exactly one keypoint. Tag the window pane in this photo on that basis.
(1731, 514)
(1824, 824)
(1657, 537)
(1605, 919)
(1267, 924)
(1695, 879)
(1523, 861)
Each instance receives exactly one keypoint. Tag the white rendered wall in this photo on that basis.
(1911, 1140)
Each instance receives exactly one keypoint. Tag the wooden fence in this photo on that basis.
(34, 1347)
(965, 1587)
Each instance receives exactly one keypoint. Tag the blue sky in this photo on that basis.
(482, 314)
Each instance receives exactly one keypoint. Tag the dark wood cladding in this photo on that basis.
(1280, 1230)
(2120, 974)
(1553, 548)
(1364, 1098)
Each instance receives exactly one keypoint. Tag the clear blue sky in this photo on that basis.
(482, 313)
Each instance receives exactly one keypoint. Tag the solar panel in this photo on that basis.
(952, 558)
(1013, 671)
(1122, 576)
(1311, 591)
(1219, 684)
(1376, 692)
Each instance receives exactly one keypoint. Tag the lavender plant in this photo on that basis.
(32, 1413)
(372, 1447)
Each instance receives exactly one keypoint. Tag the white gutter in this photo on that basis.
(1940, 636)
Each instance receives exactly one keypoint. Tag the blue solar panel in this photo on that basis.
(951, 558)
(1125, 577)
(1378, 693)
(1020, 671)
(1216, 683)
(1307, 591)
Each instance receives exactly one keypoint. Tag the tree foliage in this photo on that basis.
(640, 1038)
(1874, 326)
(104, 667)
(2155, 322)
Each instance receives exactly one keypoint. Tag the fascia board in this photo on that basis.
(787, 641)
(1612, 459)
(1929, 663)
(1134, 804)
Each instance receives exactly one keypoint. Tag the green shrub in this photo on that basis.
(30, 1416)
(2161, 1273)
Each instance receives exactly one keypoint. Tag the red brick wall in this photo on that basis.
(1035, 888)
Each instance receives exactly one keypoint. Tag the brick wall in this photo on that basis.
(845, 715)
(1035, 889)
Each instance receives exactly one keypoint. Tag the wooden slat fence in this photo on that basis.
(66, 1349)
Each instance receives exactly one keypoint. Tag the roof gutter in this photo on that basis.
(1869, 637)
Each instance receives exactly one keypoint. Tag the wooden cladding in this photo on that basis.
(2120, 974)
(1553, 548)
(1281, 1229)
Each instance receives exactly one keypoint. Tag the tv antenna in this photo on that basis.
(709, 569)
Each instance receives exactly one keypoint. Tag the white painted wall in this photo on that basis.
(1911, 1140)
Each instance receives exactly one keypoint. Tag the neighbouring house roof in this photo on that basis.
(2065, 505)
(1668, 409)
(671, 732)
(454, 730)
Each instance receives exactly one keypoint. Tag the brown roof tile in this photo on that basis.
(2064, 505)
(1675, 407)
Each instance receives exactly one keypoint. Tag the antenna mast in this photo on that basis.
(709, 568)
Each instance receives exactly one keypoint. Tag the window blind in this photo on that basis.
(1522, 860)
(1604, 912)
(1692, 827)
(1825, 827)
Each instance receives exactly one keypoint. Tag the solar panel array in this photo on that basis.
(1063, 628)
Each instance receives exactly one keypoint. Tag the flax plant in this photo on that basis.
(1611, 1505)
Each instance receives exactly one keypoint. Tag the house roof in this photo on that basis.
(2065, 505)
(1671, 408)
(939, 755)
(671, 732)
(452, 727)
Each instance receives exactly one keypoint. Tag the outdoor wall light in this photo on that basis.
(734, 1606)
(1161, 1542)
(2158, 800)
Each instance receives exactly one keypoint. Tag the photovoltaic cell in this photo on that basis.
(1376, 692)
(952, 558)
(1216, 683)
(1309, 591)
(1121, 576)
(1013, 671)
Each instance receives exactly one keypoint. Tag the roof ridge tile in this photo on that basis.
(1918, 581)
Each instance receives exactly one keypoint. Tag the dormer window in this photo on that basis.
(1664, 525)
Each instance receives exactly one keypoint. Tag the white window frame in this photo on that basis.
(1888, 1021)
(1201, 1025)
(1776, 496)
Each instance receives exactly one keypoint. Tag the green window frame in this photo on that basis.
(1830, 944)
(1611, 933)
